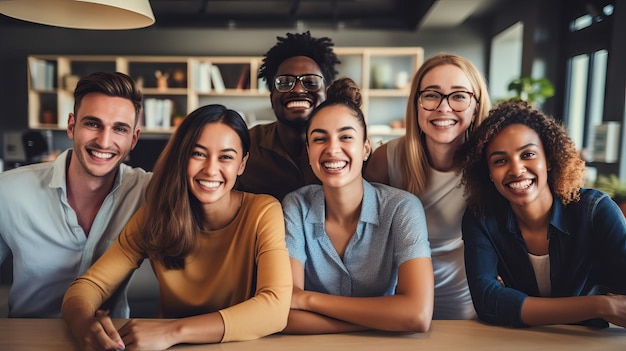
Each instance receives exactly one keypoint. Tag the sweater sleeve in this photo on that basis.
(266, 312)
(110, 270)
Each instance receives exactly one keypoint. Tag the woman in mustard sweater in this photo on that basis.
(218, 254)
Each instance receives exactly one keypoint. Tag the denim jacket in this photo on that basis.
(587, 255)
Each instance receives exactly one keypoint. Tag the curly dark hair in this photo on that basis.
(567, 169)
(300, 44)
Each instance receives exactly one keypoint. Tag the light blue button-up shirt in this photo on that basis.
(391, 230)
(49, 247)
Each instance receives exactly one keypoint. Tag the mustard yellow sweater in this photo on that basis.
(241, 270)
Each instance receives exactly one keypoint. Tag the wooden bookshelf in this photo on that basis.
(180, 84)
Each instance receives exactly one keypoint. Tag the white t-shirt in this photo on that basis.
(444, 205)
(541, 266)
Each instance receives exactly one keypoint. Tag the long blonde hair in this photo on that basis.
(413, 151)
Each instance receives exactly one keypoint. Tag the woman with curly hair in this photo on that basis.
(359, 252)
(539, 249)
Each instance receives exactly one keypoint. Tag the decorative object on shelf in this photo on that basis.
(161, 79)
(179, 76)
(82, 14)
(615, 187)
(532, 90)
(48, 116)
(177, 120)
(397, 124)
(382, 77)
(402, 80)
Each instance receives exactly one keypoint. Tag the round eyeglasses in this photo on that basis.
(286, 82)
(458, 101)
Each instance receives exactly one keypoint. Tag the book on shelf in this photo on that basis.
(41, 74)
(202, 74)
(244, 78)
(216, 78)
(158, 113)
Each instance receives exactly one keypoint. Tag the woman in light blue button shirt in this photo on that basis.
(359, 251)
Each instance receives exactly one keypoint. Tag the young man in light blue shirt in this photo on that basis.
(57, 218)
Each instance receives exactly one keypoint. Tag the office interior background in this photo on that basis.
(577, 44)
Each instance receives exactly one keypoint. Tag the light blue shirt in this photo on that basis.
(49, 247)
(391, 231)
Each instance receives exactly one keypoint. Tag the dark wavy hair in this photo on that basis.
(174, 214)
(114, 84)
(344, 91)
(319, 50)
(567, 169)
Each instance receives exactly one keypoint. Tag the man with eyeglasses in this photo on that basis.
(297, 70)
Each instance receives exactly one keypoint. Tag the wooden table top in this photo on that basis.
(52, 335)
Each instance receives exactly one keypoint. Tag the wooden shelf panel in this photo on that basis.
(239, 74)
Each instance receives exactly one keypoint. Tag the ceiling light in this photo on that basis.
(82, 14)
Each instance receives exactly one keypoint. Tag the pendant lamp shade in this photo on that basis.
(82, 14)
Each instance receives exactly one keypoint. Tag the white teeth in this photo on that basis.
(104, 155)
(335, 165)
(444, 123)
(522, 184)
(209, 184)
(298, 104)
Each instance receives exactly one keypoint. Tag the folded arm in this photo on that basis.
(410, 309)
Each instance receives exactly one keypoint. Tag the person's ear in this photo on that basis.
(136, 133)
(367, 149)
(71, 123)
(242, 166)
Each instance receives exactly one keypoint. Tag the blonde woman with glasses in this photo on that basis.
(448, 99)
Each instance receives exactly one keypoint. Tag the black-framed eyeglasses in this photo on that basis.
(311, 82)
(458, 101)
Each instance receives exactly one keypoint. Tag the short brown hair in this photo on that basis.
(112, 84)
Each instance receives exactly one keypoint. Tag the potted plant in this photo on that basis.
(614, 187)
(532, 90)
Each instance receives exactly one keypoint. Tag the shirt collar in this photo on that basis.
(369, 207)
(271, 141)
(558, 220)
(59, 172)
(270, 135)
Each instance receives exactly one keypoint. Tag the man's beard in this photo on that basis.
(298, 124)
